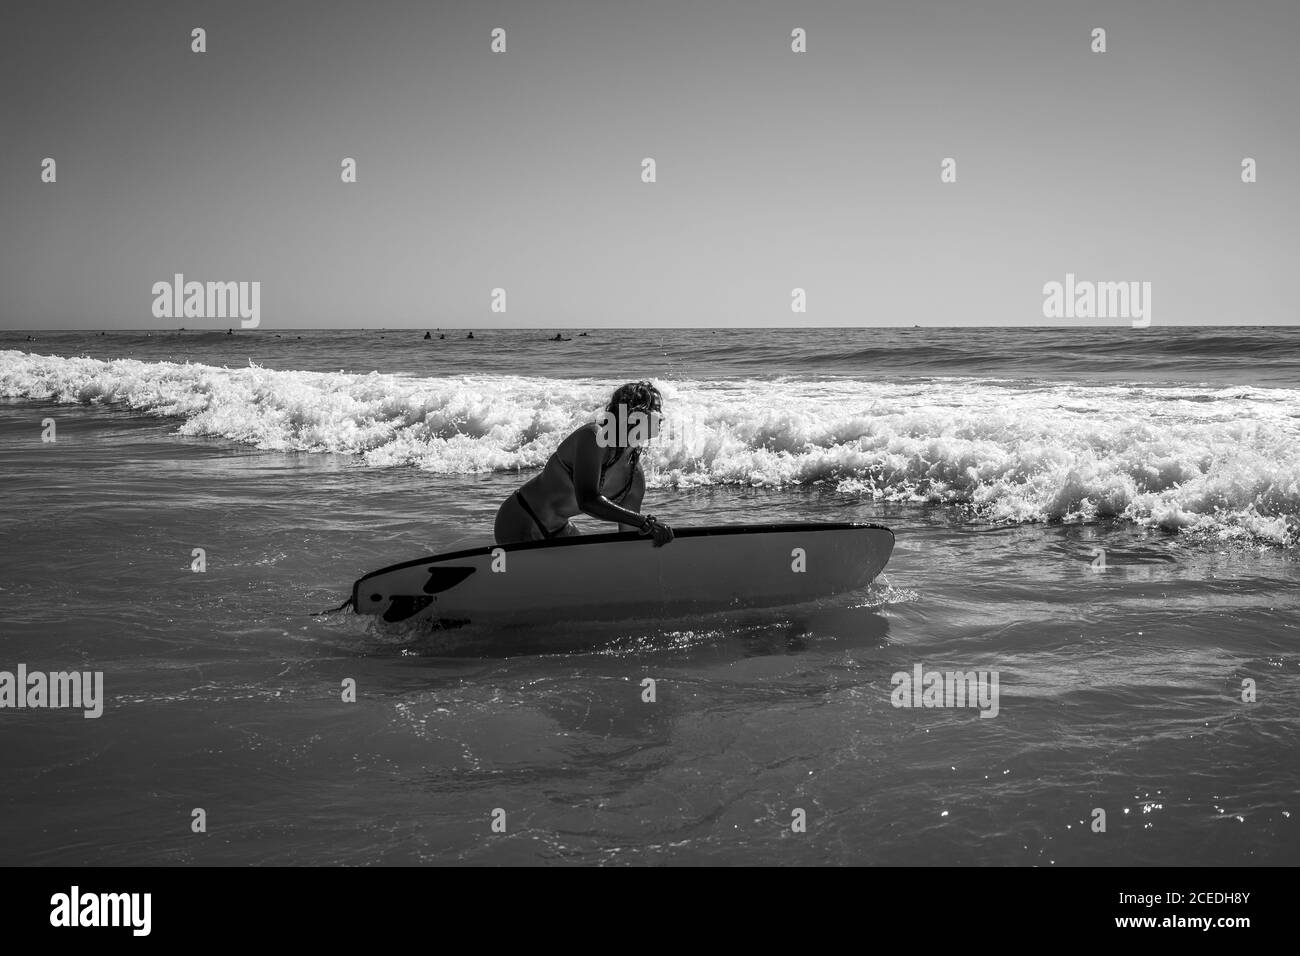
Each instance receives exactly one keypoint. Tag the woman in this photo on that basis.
(596, 471)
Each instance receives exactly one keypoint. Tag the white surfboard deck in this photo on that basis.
(622, 575)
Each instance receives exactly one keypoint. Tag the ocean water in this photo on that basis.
(1010, 464)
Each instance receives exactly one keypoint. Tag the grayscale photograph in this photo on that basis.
(668, 434)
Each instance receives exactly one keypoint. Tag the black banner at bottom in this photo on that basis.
(333, 906)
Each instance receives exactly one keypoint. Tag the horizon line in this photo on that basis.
(647, 328)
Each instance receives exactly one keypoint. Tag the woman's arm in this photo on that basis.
(587, 459)
(632, 500)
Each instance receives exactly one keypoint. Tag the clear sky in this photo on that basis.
(522, 170)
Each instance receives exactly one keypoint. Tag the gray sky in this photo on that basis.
(522, 170)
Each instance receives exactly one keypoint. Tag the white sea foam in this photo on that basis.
(1219, 461)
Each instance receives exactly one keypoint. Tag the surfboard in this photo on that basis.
(622, 575)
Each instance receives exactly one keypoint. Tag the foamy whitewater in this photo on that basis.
(1105, 518)
(1221, 461)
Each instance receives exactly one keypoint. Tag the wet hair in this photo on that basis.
(637, 396)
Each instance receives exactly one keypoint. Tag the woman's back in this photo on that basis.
(554, 488)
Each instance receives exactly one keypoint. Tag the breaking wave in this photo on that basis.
(1218, 461)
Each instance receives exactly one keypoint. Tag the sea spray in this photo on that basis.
(1211, 460)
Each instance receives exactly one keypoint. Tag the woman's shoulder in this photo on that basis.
(584, 436)
(580, 434)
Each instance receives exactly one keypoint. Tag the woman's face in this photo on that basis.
(641, 425)
(655, 417)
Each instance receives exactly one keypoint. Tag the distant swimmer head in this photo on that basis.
(636, 409)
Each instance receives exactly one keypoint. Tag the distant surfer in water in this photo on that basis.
(591, 474)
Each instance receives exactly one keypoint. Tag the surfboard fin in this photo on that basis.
(442, 578)
(403, 606)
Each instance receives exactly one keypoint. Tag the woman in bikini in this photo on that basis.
(589, 474)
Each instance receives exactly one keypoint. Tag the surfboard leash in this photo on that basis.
(335, 610)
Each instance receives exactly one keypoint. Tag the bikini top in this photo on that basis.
(605, 466)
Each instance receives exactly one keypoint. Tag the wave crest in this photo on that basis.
(1222, 462)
